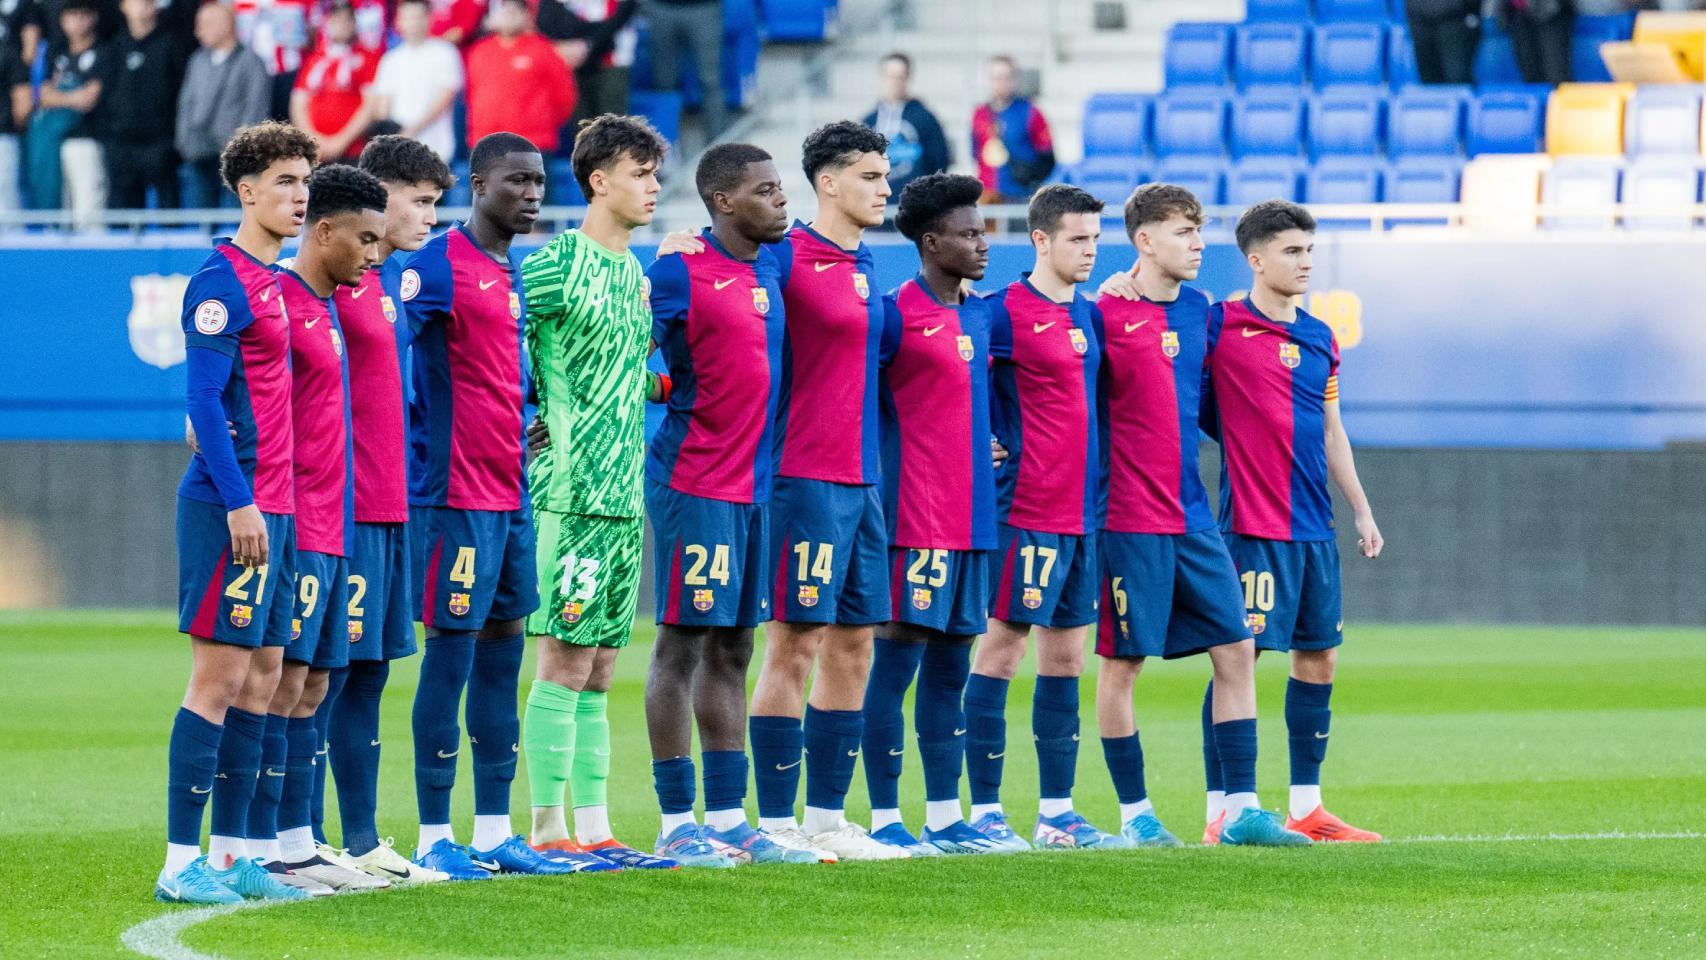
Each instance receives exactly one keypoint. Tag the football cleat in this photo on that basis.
(793, 838)
(1069, 831)
(570, 852)
(1256, 827)
(1145, 830)
(852, 842)
(743, 844)
(250, 880)
(313, 888)
(455, 861)
(627, 857)
(515, 856)
(335, 875)
(386, 863)
(896, 835)
(195, 883)
(1323, 827)
(339, 857)
(687, 846)
(1211, 832)
(994, 826)
(959, 837)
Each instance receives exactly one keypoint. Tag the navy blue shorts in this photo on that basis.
(381, 608)
(830, 548)
(1291, 592)
(474, 566)
(710, 559)
(942, 590)
(1167, 595)
(319, 634)
(221, 601)
(1043, 579)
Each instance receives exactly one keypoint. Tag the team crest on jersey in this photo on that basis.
(645, 290)
(921, 598)
(1170, 343)
(761, 299)
(458, 604)
(704, 600)
(337, 341)
(1078, 342)
(242, 615)
(295, 629)
(355, 631)
(572, 611)
(156, 334)
(1257, 622)
(210, 317)
(1032, 598)
(411, 285)
(861, 286)
(514, 305)
(1290, 355)
(966, 349)
(808, 594)
(387, 307)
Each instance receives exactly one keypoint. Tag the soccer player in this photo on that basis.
(1274, 380)
(939, 498)
(827, 535)
(381, 626)
(588, 331)
(236, 526)
(1044, 571)
(470, 525)
(346, 219)
(717, 314)
(1168, 588)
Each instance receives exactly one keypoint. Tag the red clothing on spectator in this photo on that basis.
(336, 77)
(521, 85)
(463, 15)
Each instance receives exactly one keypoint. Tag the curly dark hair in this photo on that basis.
(254, 148)
(604, 140)
(1154, 202)
(340, 188)
(398, 159)
(1268, 219)
(928, 199)
(1053, 202)
(837, 145)
(723, 167)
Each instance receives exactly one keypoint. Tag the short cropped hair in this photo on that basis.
(905, 60)
(397, 159)
(723, 167)
(604, 140)
(494, 147)
(341, 188)
(837, 145)
(1154, 202)
(928, 199)
(252, 149)
(1054, 202)
(1268, 219)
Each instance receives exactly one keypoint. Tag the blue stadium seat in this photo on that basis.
(1423, 180)
(1425, 121)
(1590, 182)
(1505, 122)
(1267, 125)
(460, 193)
(1190, 123)
(1345, 122)
(1400, 57)
(1203, 176)
(1283, 11)
(1495, 59)
(1110, 179)
(1363, 11)
(1661, 185)
(1263, 178)
(1116, 124)
(661, 107)
(1349, 54)
(1343, 180)
(1270, 55)
(1663, 119)
(1397, 12)
(799, 19)
(561, 188)
(1198, 55)
(1586, 65)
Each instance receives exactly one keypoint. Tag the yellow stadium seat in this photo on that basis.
(1586, 119)
(1683, 32)
(1501, 192)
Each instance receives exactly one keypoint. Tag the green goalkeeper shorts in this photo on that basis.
(589, 578)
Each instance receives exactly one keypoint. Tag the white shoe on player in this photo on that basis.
(851, 842)
(387, 864)
(793, 838)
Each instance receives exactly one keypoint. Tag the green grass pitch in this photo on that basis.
(1542, 787)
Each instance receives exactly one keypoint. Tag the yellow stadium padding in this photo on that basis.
(1586, 119)
(1683, 32)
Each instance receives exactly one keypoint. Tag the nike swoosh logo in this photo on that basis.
(1040, 327)
(515, 748)
(171, 892)
(446, 756)
(787, 766)
(1133, 326)
(601, 753)
(309, 323)
(488, 865)
(266, 295)
(373, 743)
(997, 756)
(199, 790)
(356, 295)
(852, 753)
(959, 731)
(220, 776)
(931, 331)
(322, 751)
(1248, 333)
(823, 265)
(400, 874)
(896, 753)
(487, 284)
(720, 284)
(556, 749)
(274, 773)
(1075, 737)
(1321, 736)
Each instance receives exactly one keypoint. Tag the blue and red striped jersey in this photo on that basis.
(376, 341)
(319, 407)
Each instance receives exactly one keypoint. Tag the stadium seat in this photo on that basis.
(809, 20)
(1263, 178)
(1684, 33)
(1349, 54)
(561, 187)
(1365, 11)
(1654, 188)
(1190, 123)
(1586, 65)
(1344, 122)
(1502, 191)
(1110, 179)
(1588, 183)
(1586, 118)
(1270, 55)
(1400, 57)
(1425, 121)
(1663, 119)
(1423, 180)
(661, 107)
(1343, 180)
(1267, 125)
(1282, 11)
(1116, 125)
(1495, 58)
(1198, 55)
(1504, 122)
(1203, 176)
(460, 193)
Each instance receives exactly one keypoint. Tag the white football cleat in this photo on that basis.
(343, 877)
(793, 838)
(386, 863)
(852, 842)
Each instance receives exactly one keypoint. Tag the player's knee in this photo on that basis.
(1314, 666)
(313, 693)
(1234, 662)
(603, 671)
(501, 629)
(1122, 671)
(728, 653)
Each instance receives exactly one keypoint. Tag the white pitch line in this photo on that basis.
(158, 937)
(1545, 837)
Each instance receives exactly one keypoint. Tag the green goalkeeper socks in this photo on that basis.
(591, 773)
(548, 739)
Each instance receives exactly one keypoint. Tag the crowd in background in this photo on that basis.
(1446, 33)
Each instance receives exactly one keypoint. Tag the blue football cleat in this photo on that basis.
(250, 880)
(959, 837)
(687, 846)
(515, 856)
(627, 857)
(452, 858)
(570, 852)
(896, 835)
(1256, 827)
(1145, 830)
(743, 844)
(994, 826)
(195, 883)
(1069, 831)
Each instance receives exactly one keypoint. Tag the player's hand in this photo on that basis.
(249, 547)
(680, 241)
(573, 52)
(1369, 540)
(997, 452)
(1123, 284)
(194, 444)
(538, 437)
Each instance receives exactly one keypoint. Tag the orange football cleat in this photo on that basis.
(1323, 827)
(1211, 833)
(565, 846)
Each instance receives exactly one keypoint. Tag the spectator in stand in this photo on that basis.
(331, 97)
(1010, 138)
(1445, 34)
(596, 39)
(64, 141)
(140, 108)
(15, 97)
(373, 23)
(176, 19)
(107, 20)
(418, 81)
(917, 145)
(693, 28)
(1540, 36)
(458, 21)
(278, 32)
(225, 87)
(517, 82)
(21, 23)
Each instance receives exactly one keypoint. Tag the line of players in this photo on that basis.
(771, 498)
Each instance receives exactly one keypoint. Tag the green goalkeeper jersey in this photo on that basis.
(588, 332)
